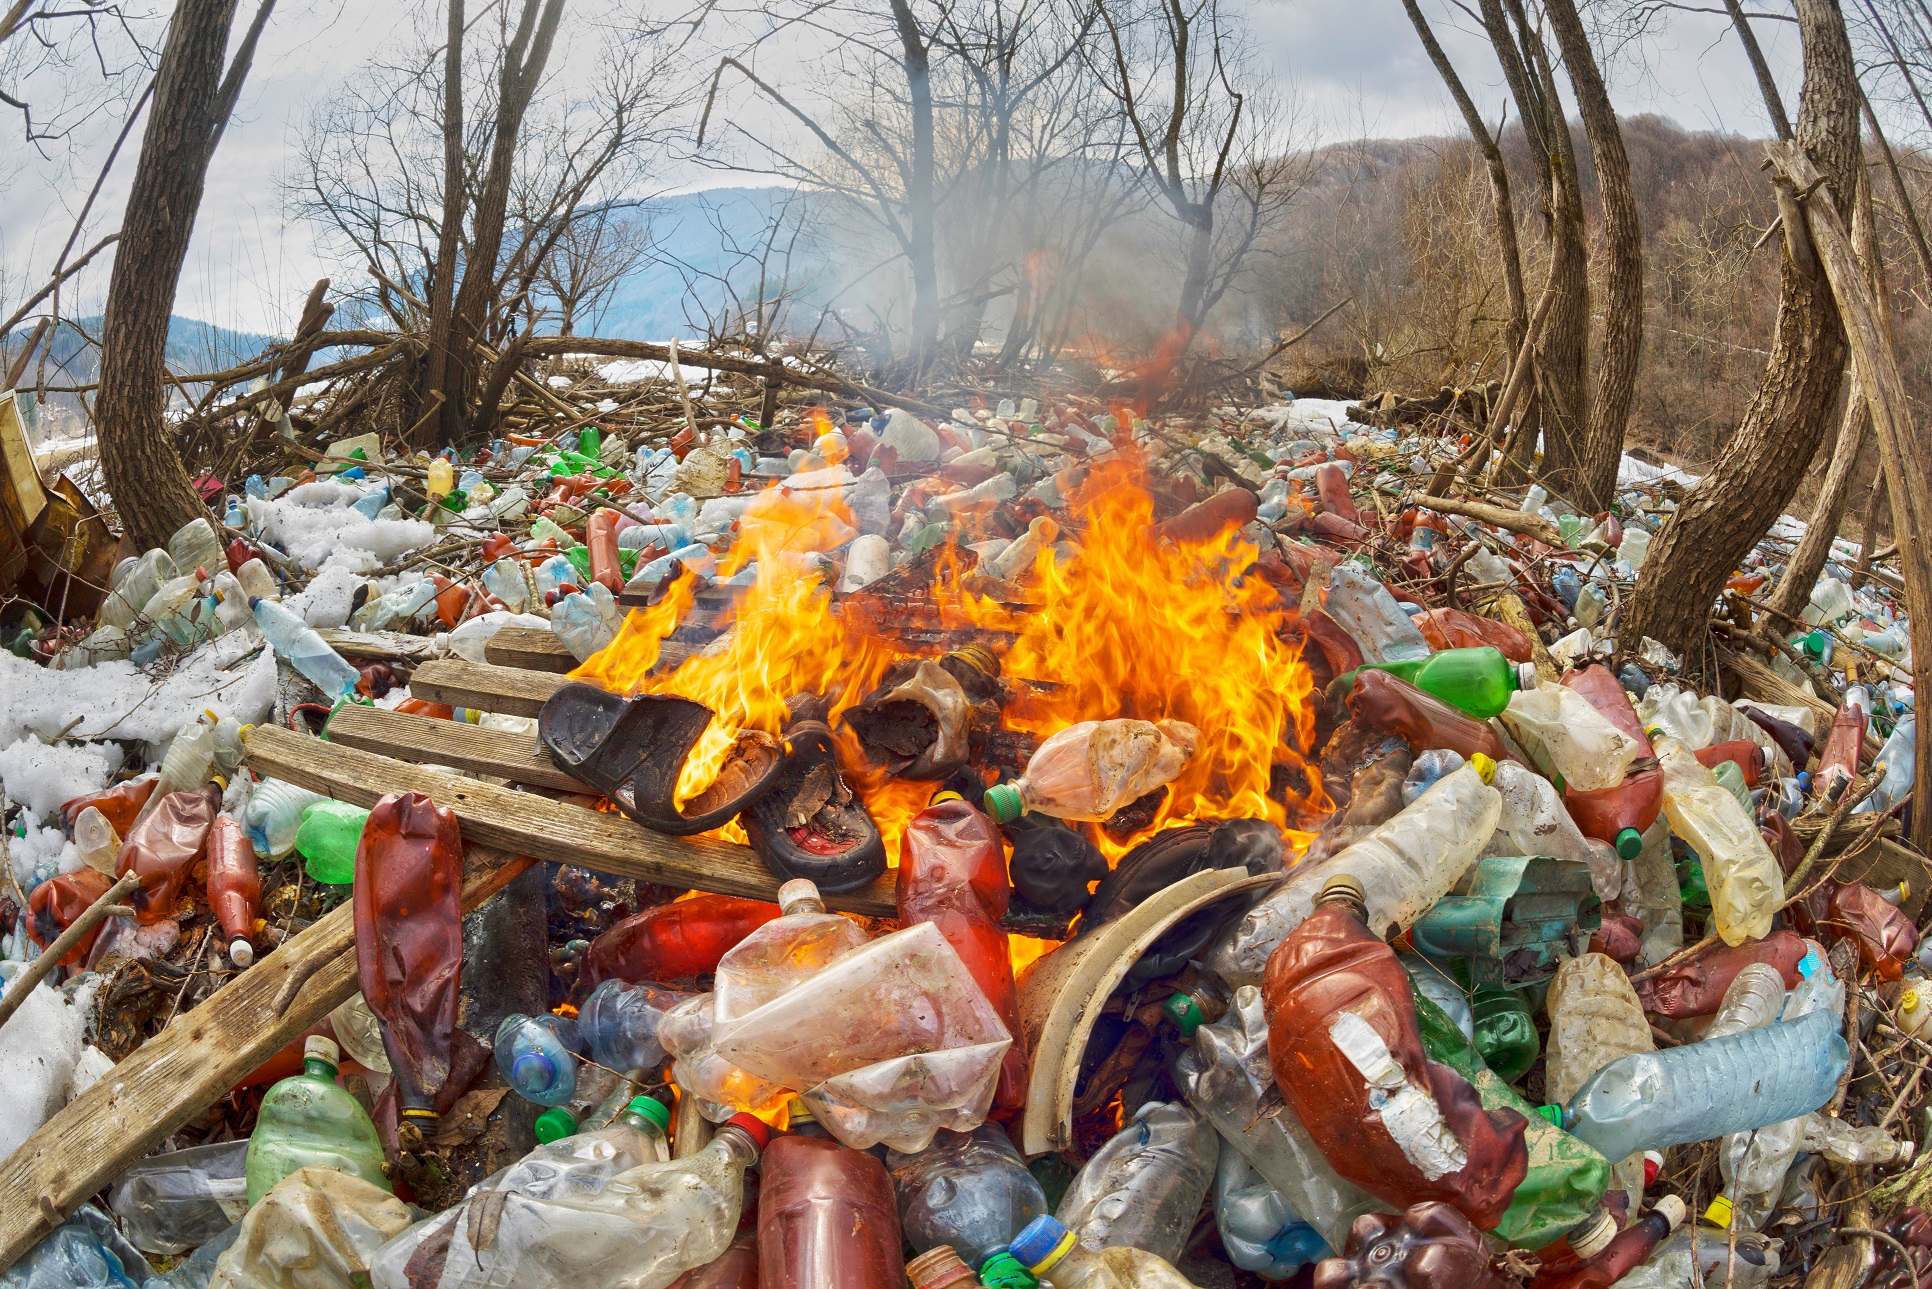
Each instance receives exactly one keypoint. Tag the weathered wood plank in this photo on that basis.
(180, 1072)
(535, 648)
(471, 748)
(513, 691)
(534, 825)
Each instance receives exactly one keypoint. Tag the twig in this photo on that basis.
(1857, 793)
(43, 966)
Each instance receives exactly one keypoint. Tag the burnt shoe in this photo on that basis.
(633, 749)
(811, 824)
(1175, 853)
(916, 725)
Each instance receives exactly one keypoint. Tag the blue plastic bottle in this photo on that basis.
(296, 643)
(619, 1022)
(537, 1056)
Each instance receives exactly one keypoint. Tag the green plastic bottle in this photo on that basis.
(330, 832)
(1693, 890)
(1566, 1177)
(1479, 680)
(308, 1121)
(1505, 1032)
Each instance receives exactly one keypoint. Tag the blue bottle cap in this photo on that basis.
(534, 1070)
(1044, 1242)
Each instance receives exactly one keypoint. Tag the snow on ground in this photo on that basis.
(311, 522)
(39, 1051)
(116, 700)
(40, 775)
(635, 371)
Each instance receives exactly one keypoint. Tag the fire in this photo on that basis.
(1127, 627)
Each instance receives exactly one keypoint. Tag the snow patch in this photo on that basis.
(117, 700)
(40, 776)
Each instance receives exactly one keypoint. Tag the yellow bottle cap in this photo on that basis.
(1909, 1001)
(1719, 1212)
(944, 795)
(1483, 766)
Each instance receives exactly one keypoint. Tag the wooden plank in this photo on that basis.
(426, 740)
(194, 1062)
(379, 646)
(534, 825)
(512, 691)
(535, 648)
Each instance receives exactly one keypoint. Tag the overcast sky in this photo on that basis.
(1356, 65)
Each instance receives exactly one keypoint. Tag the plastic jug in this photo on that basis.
(1055, 1257)
(164, 847)
(952, 873)
(619, 1024)
(409, 941)
(778, 954)
(1838, 759)
(234, 887)
(674, 941)
(536, 1055)
(307, 1120)
(1348, 1058)
(1568, 738)
(318, 1227)
(1622, 813)
(826, 1216)
(1407, 864)
(1431, 1246)
(1745, 881)
(296, 643)
(135, 586)
(1144, 1187)
(181, 1200)
(194, 545)
(328, 837)
(970, 1191)
(273, 816)
(1379, 701)
(1089, 770)
(1363, 608)
(1260, 1232)
(1478, 681)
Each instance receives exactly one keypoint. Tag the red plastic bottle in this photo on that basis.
(1838, 761)
(1695, 986)
(826, 1216)
(409, 941)
(164, 847)
(1331, 485)
(1618, 1259)
(1454, 629)
(234, 886)
(952, 873)
(601, 537)
(1884, 933)
(55, 904)
(1330, 965)
(1617, 815)
(735, 1268)
(122, 805)
(1432, 1246)
(1748, 755)
(1380, 702)
(451, 599)
(673, 941)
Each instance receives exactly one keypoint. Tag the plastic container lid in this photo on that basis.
(1630, 844)
(1044, 1242)
(1554, 1113)
(1672, 1209)
(1002, 801)
(653, 1109)
(800, 890)
(1339, 885)
(1719, 1212)
(1596, 1239)
(555, 1124)
(1184, 1012)
(1483, 766)
(1526, 677)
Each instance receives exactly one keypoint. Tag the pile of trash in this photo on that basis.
(1292, 875)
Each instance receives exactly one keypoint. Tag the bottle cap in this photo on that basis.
(939, 1268)
(1672, 1210)
(1184, 1012)
(1719, 1212)
(1044, 1242)
(241, 952)
(1526, 677)
(1594, 1237)
(1906, 1149)
(1004, 1271)
(653, 1109)
(1483, 766)
(534, 1070)
(800, 895)
(752, 1126)
(1554, 1113)
(320, 1047)
(797, 1113)
(944, 794)
(1653, 1167)
(1630, 844)
(1002, 801)
(555, 1124)
(1342, 886)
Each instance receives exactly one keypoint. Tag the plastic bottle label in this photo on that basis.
(1410, 1115)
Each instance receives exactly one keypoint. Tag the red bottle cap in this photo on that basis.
(759, 1130)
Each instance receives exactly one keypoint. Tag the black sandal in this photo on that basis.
(812, 824)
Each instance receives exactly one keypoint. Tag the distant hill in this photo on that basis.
(193, 346)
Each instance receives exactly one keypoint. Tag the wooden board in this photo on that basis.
(471, 748)
(534, 648)
(532, 825)
(176, 1075)
(512, 691)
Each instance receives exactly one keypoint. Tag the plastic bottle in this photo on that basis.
(234, 886)
(121, 804)
(1431, 1246)
(1627, 1250)
(307, 1120)
(1534, 822)
(1838, 759)
(601, 536)
(57, 902)
(1454, 629)
(619, 1024)
(587, 622)
(583, 1163)
(1754, 999)
(1568, 738)
(84, 1252)
(1477, 681)
(1900, 755)
(1380, 702)
(164, 847)
(1845, 1143)
(273, 816)
(1260, 1232)
(536, 1055)
(504, 580)
(1658, 1099)
(409, 941)
(1595, 1019)
(970, 1191)
(95, 838)
(1052, 1254)
(780, 953)
(826, 1216)
(189, 761)
(1505, 1031)
(952, 873)
(399, 605)
(1089, 770)
(718, 1087)
(440, 478)
(1407, 864)
(1439, 988)
(1621, 813)
(296, 643)
(330, 832)
(256, 582)
(194, 545)
(135, 586)
(674, 941)
(1348, 1059)
(1698, 1257)
(1144, 1187)
(1746, 884)
(1363, 608)
(737, 1268)
(181, 1200)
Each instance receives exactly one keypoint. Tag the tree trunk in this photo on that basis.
(442, 282)
(1192, 310)
(1565, 348)
(1600, 447)
(1733, 506)
(921, 255)
(144, 471)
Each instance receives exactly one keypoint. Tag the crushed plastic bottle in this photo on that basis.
(328, 836)
(802, 941)
(163, 848)
(1144, 1187)
(307, 1120)
(1569, 739)
(1056, 1258)
(1260, 1232)
(1534, 822)
(179, 1201)
(317, 1227)
(1746, 884)
(536, 1055)
(619, 1023)
(970, 1191)
(296, 643)
(1089, 770)
(1363, 608)
(273, 816)
(674, 941)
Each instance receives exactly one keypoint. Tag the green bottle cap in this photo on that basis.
(1554, 1113)
(1002, 801)
(1630, 843)
(555, 1124)
(653, 1109)
(1185, 1012)
(1003, 1271)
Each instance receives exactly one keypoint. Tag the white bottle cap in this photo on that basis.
(796, 895)
(1906, 1149)
(1673, 1210)
(241, 952)
(320, 1047)
(1595, 1240)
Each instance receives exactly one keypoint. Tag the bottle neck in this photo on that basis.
(735, 1145)
(317, 1068)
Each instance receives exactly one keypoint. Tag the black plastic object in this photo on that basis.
(1167, 857)
(632, 749)
(811, 824)
(1052, 866)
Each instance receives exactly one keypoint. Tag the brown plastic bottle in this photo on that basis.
(56, 902)
(234, 886)
(1382, 703)
(1884, 932)
(952, 873)
(1749, 758)
(121, 804)
(1454, 629)
(164, 848)
(1432, 1246)
(826, 1216)
(409, 941)
(673, 941)
(1566, 1269)
(1331, 485)
(1330, 965)
(1695, 986)
(1617, 815)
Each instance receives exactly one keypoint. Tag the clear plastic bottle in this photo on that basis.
(181, 1200)
(84, 1252)
(1652, 895)
(582, 1163)
(720, 1088)
(1698, 1257)
(1900, 755)
(971, 1191)
(1753, 1000)
(98, 843)
(619, 1023)
(194, 545)
(189, 761)
(1746, 884)
(587, 622)
(296, 643)
(256, 582)
(273, 816)
(1569, 738)
(1259, 1230)
(1144, 1187)
(1595, 1019)
(1052, 1254)
(802, 941)
(536, 1055)
(1405, 866)
(1364, 608)
(1845, 1143)
(399, 605)
(133, 588)
(307, 1120)
(1089, 770)
(1534, 822)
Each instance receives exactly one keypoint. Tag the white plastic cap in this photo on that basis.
(1673, 1210)
(1596, 1239)
(320, 1047)
(800, 895)
(241, 953)
(1906, 1149)
(1526, 677)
